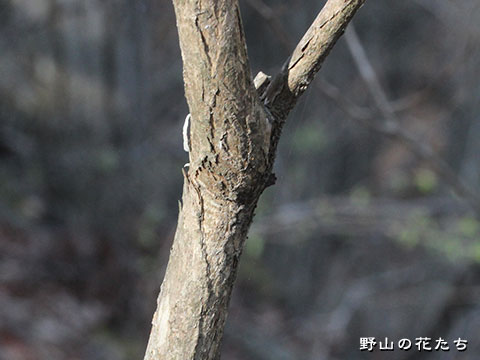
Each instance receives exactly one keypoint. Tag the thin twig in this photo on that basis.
(353, 110)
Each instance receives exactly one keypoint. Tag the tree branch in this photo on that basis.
(391, 127)
(308, 56)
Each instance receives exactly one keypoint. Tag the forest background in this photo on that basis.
(364, 234)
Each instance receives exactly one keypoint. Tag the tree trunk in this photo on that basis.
(233, 138)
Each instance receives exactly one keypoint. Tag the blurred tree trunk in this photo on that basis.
(234, 134)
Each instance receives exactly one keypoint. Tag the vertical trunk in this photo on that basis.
(229, 166)
(192, 306)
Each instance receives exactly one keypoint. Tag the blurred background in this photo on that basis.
(370, 230)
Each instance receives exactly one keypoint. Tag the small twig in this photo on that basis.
(353, 110)
(408, 101)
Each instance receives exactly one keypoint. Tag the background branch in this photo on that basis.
(391, 126)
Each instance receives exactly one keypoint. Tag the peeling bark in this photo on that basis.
(232, 145)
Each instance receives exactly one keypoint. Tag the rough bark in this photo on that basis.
(234, 134)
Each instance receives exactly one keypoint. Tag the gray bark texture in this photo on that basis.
(234, 134)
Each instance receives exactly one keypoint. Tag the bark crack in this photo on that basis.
(208, 272)
(204, 41)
